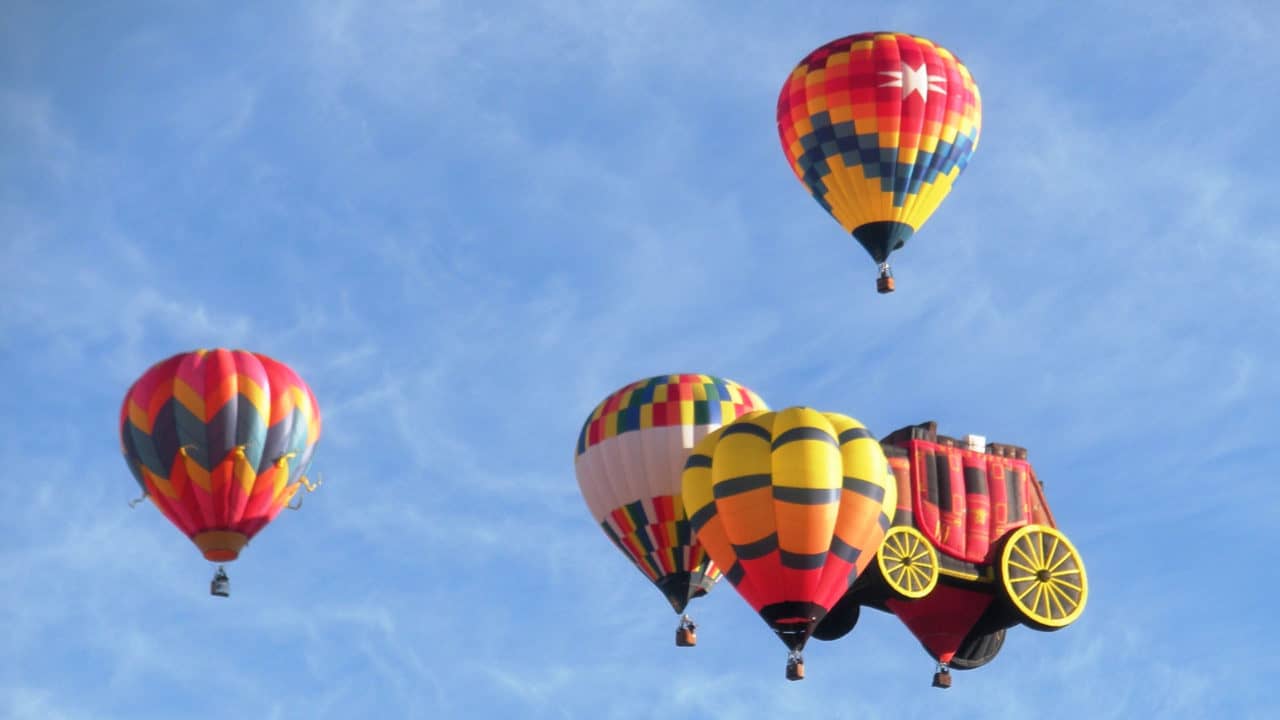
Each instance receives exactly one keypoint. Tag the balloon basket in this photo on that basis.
(942, 679)
(686, 637)
(686, 634)
(795, 665)
(220, 586)
(884, 283)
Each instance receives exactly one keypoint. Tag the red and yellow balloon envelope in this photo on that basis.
(629, 459)
(792, 505)
(878, 126)
(220, 440)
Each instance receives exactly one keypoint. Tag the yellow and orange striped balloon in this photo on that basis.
(792, 505)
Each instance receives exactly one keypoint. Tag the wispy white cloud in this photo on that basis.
(26, 703)
(31, 128)
(466, 226)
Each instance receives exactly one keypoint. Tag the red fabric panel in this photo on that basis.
(977, 496)
(951, 530)
(942, 619)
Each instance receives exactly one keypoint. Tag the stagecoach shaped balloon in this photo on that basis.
(878, 126)
(973, 551)
(220, 441)
(630, 454)
(792, 505)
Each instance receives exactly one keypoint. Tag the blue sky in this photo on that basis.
(466, 223)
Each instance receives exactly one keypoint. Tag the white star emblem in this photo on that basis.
(914, 80)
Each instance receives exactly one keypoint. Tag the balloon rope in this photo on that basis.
(134, 502)
(310, 487)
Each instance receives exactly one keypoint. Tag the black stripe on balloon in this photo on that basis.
(734, 573)
(855, 434)
(975, 480)
(193, 436)
(865, 488)
(610, 532)
(1013, 481)
(945, 498)
(164, 438)
(803, 561)
(143, 450)
(704, 515)
(844, 550)
(646, 542)
(931, 477)
(804, 433)
(698, 461)
(744, 483)
(806, 496)
(683, 533)
(745, 428)
(277, 442)
(220, 431)
(251, 431)
(131, 452)
(757, 549)
(884, 522)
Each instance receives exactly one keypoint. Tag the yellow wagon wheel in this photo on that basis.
(908, 563)
(1043, 577)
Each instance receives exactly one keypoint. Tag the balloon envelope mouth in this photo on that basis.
(881, 238)
(220, 545)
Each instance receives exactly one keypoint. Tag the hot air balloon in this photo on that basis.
(878, 126)
(629, 458)
(792, 505)
(219, 440)
(973, 551)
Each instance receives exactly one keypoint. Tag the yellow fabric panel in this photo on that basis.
(862, 457)
(741, 454)
(192, 400)
(747, 516)
(138, 416)
(805, 463)
(695, 482)
(198, 475)
(171, 490)
(244, 471)
(854, 197)
(921, 206)
(697, 494)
